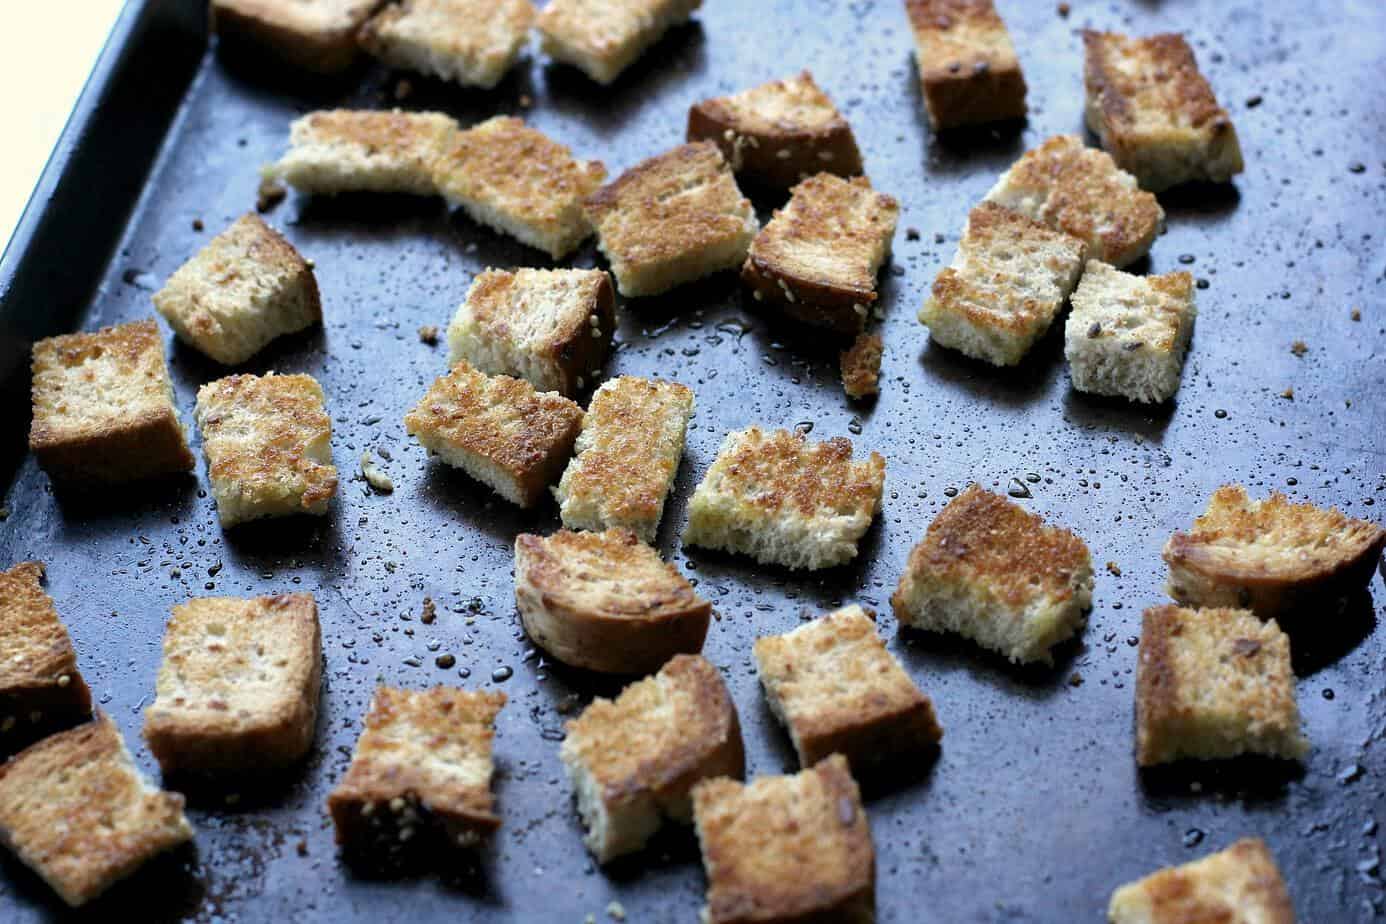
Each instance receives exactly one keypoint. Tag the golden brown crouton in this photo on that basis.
(471, 42)
(604, 37)
(1239, 885)
(41, 689)
(968, 71)
(861, 365)
(317, 35)
(347, 150)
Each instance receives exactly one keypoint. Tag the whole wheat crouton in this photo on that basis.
(41, 688)
(349, 150)
(317, 35)
(471, 42)
(604, 37)
(861, 366)
(968, 70)
(1238, 885)
(633, 761)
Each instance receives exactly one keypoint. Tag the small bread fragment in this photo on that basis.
(1238, 885)
(1214, 683)
(993, 572)
(238, 685)
(1005, 286)
(627, 455)
(786, 501)
(778, 133)
(420, 777)
(498, 430)
(604, 37)
(1081, 191)
(672, 219)
(817, 258)
(785, 849)
(834, 686)
(551, 328)
(245, 288)
(349, 150)
(41, 688)
(268, 443)
(633, 761)
(861, 366)
(471, 42)
(518, 181)
(76, 811)
(968, 70)
(1271, 556)
(316, 35)
(103, 407)
(1154, 112)
(606, 601)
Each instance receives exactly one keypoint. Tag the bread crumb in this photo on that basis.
(429, 334)
(1064, 10)
(1288, 393)
(376, 478)
(1076, 680)
(1114, 569)
(269, 194)
(430, 611)
(1357, 314)
(911, 234)
(197, 224)
(403, 89)
(525, 101)
(1299, 348)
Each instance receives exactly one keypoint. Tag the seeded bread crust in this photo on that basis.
(968, 69)
(316, 35)
(470, 42)
(604, 37)
(1240, 885)
(350, 150)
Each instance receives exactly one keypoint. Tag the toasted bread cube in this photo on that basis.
(1126, 335)
(471, 42)
(551, 328)
(267, 440)
(786, 501)
(245, 288)
(633, 761)
(420, 776)
(238, 685)
(604, 37)
(1154, 112)
(1214, 683)
(516, 180)
(1081, 191)
(317, 35)
(347, 150)
(991, 571)
(103, 407)
(861, 366)
(672, 219)
(627, 455)
(76, 811)
(498, 430)
(1239, 885)
(1005, 286)
(1271, 556)
(785, 849)
(41, 689)
(968, 71)
(834, 686)
(778, 133)
(606, 601)
(817, 259)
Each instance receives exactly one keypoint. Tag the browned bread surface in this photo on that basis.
(41, 689)
(968, 70)
(1238, 885)
(604, 37)
(861, 365)
(472, 42)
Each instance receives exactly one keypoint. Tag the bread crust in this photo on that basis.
(968, 69)
(318, 36)
(1239, 884)
(605, 601)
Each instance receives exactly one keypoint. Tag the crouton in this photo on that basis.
(316, 35)
(1272, 556)
(837, 690)
(41, 689)
(778, 133)
(551, 328)
(1239, 885)
(245, 288)
(627, 455)
(76, 811)
(1155, 113)
(1127, 335)
(1081, 191)
(786, 501)
(992, 572)
(604, 37)
(498, 430)
(672, 219)
(518, 181)
(267, 440)
(471, 42)
(817, 258)
(968, 71)
(1005, 286)
(420, 776)
(605, 601)
(103, 407)
(1214, 683)
(346, 150)
(238, 686)
(861, 366)
(786, 848)
(633, 761)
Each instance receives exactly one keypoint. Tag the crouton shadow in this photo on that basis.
(464, 871)
(1200, 201)
(1148, 421)
(1016, 386)
(583, 683)
(1250, 778)
(366, 214)
(304, 537)
(163, 889)
(959, 150)
(245, 791)
(285, 354)
(452, 491)
(673, 846)
(1035, 678)
(898, 775)
(166, 496)
(1319, 640)
(427, 93)
(263, 76)
(815, 586)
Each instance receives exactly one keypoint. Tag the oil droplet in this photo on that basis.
(1018, 489)
(1193, 837)
(803, 427)
(1220, 414)
(1328, 693)
(501, 674)
(950, 492)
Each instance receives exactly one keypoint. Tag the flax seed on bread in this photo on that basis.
(633, 761)
(1239, 885)
(968, 69)
(604, 37)
(606, 601)
(861, 366)
(41, 687)
(317, 35)
(75, 810)
(471, 42)
(817, 258)
(349, 150)
(103, 409)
